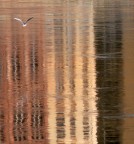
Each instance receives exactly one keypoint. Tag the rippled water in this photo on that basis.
(67, 78)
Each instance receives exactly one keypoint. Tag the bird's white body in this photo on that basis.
(24, 24)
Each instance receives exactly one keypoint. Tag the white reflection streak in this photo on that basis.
(15, 63)
(51, 87)
(68, 53)
(78, 76)
(92, 80)
(36, 117)
(19, 117)
(33, 55)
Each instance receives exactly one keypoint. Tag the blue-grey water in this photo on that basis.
(68, 76)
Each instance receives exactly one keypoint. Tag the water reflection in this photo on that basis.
(109, 47)
(62, 77)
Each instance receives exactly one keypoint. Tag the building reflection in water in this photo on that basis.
(108, 41)
(56, 73)
(24, 85)
(69, 34)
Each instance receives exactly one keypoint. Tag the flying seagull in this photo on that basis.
(23, 23)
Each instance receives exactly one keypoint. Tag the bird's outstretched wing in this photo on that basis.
(19, 20)
(28, 20)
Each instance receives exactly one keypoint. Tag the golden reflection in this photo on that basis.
(69, 77)
(48, 71)
(50, 77)
(128, 51)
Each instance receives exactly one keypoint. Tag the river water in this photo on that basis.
(68, 76)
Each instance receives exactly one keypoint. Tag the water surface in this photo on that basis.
(67, 78)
